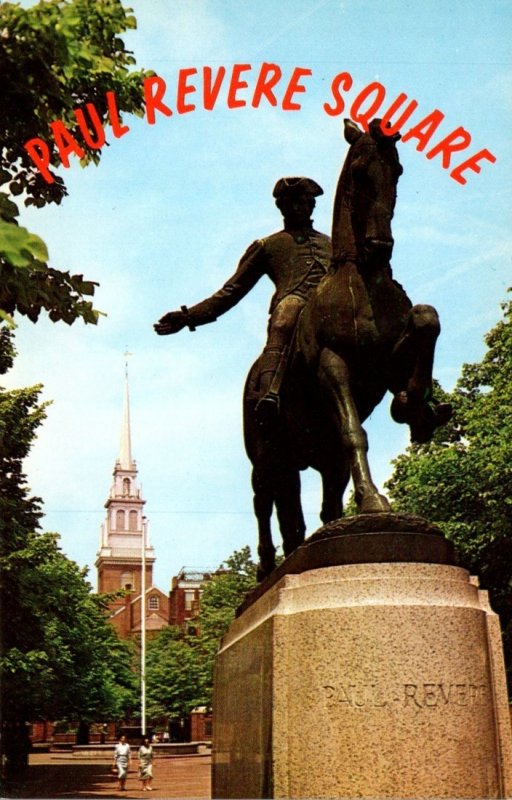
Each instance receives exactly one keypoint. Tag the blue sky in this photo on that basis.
(165, 217)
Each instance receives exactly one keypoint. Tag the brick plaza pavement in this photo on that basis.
(56, 776)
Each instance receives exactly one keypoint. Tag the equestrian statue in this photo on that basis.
(342, 332)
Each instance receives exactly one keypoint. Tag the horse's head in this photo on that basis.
(366, 195)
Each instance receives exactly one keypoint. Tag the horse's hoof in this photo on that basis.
(425, 423)
(443, 413)
(422, 417)
(400, 410)
(374, 504)
(262, 573)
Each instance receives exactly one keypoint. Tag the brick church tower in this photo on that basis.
(120, 557)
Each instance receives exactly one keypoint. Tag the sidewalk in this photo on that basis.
(51, 775)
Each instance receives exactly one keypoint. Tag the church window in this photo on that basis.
(154, 603)
(126, 486)
(120, 519)
(190, 596)
(127, 580)
(133, 520)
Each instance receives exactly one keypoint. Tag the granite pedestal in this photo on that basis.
(369, 665)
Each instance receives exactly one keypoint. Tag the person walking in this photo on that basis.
(122, 758)
(146, 765)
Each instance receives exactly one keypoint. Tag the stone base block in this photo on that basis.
(364, 680)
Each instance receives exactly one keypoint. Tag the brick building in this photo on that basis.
(185, 598)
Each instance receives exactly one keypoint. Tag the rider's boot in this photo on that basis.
(267, 407)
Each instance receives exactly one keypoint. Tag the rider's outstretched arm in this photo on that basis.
(249, 271)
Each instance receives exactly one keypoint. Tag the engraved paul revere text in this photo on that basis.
(435, 694)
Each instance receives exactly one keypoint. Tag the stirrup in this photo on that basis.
(267, 407)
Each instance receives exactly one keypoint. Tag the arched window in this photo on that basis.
(133, 521)
(120, 519)
(154, 602)
(126, 486)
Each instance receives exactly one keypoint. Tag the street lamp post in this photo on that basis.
(143, 632)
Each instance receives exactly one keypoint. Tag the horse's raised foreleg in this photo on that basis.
(263, 505)
(413, 361)
(334, 377)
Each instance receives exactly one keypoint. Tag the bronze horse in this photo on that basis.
(357, 337)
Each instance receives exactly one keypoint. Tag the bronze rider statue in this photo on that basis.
(295, 259)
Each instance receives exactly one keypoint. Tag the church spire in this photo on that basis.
(125, 449)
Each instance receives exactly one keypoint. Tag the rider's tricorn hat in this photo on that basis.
(289, 185)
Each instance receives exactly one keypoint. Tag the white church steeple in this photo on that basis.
(125, 529)
(125, 448)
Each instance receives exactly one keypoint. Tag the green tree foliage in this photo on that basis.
(179, 672)
(172, 676)
(28, 284)
(221, 597)
(462, 480)
(223, 594)
(55, 57)
(20, 416)
(59, 657)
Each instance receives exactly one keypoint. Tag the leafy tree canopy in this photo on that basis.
(223, 594)
(59, 657)
(172, 676)
(55, 56)
(462, 480)
(221, 597)
(179, 664)
(20, 416)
